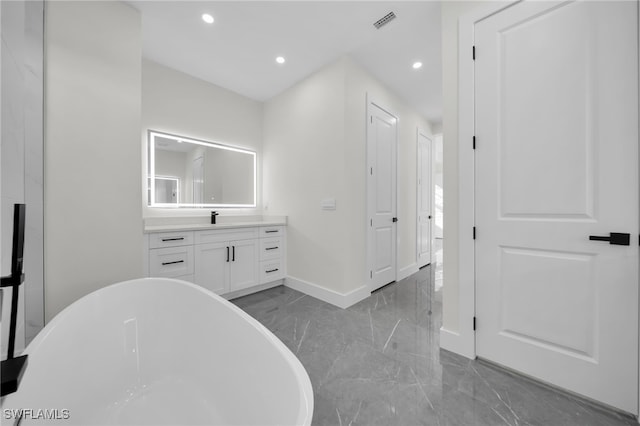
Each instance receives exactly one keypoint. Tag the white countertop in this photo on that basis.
(197, 224)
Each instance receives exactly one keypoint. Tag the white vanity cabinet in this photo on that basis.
(229, 261)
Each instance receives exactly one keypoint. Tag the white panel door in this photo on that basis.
(557, 162)
(424, 200)
(381, 189)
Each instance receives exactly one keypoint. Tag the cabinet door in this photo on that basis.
(244, 264)
(212, 266)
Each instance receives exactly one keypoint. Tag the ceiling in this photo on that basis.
(238, 50)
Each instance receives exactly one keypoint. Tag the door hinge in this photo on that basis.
(474, 323)
(371, 171)
(372, 119)
(474, 142)
(371, 274)
(371, 222)
(474, 53)
(474, 232)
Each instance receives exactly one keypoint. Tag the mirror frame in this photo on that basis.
(151, 175)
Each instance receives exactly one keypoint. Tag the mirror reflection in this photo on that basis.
(186, 172)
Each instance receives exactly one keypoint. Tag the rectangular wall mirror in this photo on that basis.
(186, 172)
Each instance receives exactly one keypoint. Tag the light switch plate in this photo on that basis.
(328, 204)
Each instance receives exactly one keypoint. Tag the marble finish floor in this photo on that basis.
(379, 363)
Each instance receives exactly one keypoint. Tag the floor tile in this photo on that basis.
(379, 363)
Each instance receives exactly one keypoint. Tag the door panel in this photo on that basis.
(424, 199)
(524, 275)
(211, 271)
(529, 146)
(557, 161)
(384, 253)
(381, 195)
(384, 139)
(244, 264)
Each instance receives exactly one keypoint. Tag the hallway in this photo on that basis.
(379, 363)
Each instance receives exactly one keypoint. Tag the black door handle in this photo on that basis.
(233, 254)
(395, 219)
(172, 263)
(614, 238)
(429, 216)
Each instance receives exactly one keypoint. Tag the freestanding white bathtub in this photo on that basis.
(159, 351)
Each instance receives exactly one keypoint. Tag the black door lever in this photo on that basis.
(614, 238)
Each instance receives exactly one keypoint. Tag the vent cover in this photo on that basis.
(384, 20)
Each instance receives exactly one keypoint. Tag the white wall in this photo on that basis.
(177, 103)
(315, 148)
(93, 224)
(304, 162)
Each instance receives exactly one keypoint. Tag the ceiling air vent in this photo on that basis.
(384, 20)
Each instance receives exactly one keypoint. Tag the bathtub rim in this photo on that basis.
(305, 413)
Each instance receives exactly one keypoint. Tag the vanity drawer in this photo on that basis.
(223, 235)
(271, 270)
(271, 231)
(270, 248)
(170, 239)
(171, 262)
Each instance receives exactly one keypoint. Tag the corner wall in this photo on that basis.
(93, 222)
(451, 13)
(303, 145)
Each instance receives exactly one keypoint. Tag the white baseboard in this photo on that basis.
(255, 289)
(407, 270)
(456, 343)
(327, 295)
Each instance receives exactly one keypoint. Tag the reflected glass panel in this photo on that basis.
(186, 172)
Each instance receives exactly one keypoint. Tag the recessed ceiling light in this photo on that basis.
(207, 18)
(417, 65)
(280, 60)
